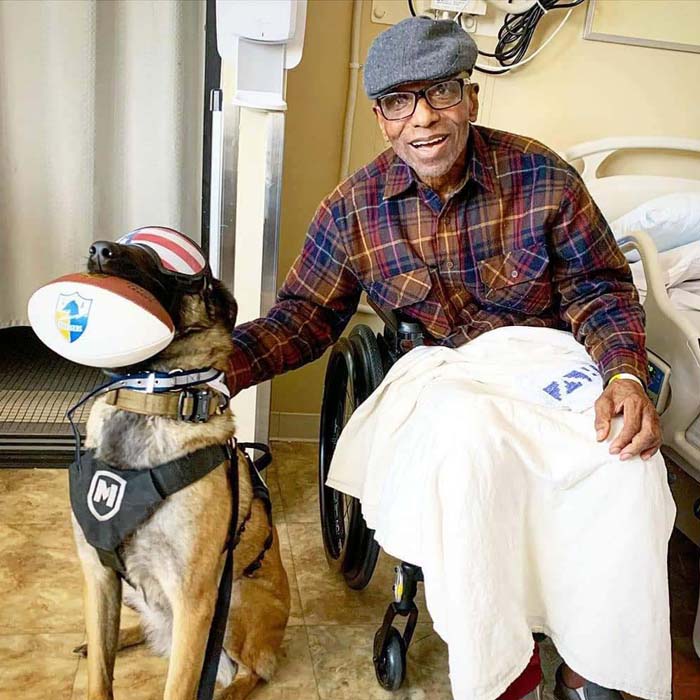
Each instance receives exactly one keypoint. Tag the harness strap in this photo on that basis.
(261, 462)
(261, 492)
(188, 404)
(215, 642)
(171, 477)
(112, 559)
(257, 562)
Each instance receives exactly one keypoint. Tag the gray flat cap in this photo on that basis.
(417, 48)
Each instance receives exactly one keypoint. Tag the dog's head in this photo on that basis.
(202, 309)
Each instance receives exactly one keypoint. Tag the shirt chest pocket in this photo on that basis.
(517, 280)
(401, 290)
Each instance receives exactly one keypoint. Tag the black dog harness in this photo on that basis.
(110, 504)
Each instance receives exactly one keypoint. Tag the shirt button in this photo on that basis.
(449, 265)
(514, 273)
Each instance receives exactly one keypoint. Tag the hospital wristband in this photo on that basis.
(625, 375)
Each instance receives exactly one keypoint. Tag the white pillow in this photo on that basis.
(672, 221)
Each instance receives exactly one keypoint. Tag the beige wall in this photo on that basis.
(574, 91)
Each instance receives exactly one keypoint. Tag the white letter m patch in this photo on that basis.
(105, 494)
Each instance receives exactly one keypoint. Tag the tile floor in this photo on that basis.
(327, 649)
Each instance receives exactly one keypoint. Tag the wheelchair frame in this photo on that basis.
(355, 369)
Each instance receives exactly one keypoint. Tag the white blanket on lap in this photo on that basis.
(481, 466)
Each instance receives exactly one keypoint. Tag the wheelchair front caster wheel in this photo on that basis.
(390, 660)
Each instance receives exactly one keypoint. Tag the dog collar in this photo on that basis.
(190, 404)
(159, 382)
(182, 381)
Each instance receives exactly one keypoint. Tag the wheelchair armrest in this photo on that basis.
(401, 333)
(390, 318)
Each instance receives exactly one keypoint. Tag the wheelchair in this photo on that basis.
(355, 369)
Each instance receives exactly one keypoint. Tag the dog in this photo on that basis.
(174, 559)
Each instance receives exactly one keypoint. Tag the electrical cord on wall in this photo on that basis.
(516, 33)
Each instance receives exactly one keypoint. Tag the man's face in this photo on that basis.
(431, 140)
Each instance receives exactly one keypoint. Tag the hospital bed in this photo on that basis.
(672, 333)
(673, 330)
(359, 362)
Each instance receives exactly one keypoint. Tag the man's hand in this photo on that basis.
(641, 433)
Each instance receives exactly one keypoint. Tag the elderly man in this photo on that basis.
(468, 230)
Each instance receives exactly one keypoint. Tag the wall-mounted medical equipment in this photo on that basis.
(513, 22)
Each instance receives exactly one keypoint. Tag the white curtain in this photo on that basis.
(100, 130)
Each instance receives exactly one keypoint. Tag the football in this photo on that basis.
(99, 320)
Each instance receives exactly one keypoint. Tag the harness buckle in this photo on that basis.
(201, 400)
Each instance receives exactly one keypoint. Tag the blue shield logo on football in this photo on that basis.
(72, 314)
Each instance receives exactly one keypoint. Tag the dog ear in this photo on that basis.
(221, 306)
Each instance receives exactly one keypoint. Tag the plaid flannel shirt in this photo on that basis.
(520, 243)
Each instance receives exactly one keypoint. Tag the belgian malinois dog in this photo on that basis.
(174, 559)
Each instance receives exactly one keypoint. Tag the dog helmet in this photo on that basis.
(175, 254)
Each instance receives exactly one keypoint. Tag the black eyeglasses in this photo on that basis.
(400, 105)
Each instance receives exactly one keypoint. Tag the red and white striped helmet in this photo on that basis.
(176, 254)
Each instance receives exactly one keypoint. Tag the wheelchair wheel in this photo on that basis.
(369, 373)
(390, 660)
(337, 406)
(365, 341)
(350, 378)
